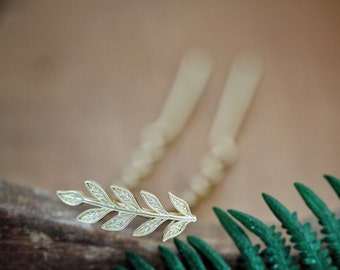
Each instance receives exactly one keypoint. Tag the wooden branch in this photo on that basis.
(37, 231)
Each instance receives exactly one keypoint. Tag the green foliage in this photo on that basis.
(207, 252)
(276, 254)
(312, 256)
(137, 262)
(312, 252)
(331, 226)
(190, 256)
(120, 268)
(249, 253)
(334, 182)
(171, 259)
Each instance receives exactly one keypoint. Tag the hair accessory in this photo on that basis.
(128, 208)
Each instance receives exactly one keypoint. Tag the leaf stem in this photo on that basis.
(172, 216)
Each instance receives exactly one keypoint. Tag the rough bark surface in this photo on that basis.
(37, 231)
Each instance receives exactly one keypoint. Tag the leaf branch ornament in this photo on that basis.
(127, 209)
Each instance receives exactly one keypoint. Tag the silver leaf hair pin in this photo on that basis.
(128, 208)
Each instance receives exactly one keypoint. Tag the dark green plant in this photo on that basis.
(171, 259)
(208, 253)
(137, 262)
(334, 182)
(276, 254)
(331, 226)
(312, 256)
(311, 252)
(250, 256)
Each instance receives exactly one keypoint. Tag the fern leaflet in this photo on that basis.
(331, 226)
(248, 252)
(312, 256)
(276, 255)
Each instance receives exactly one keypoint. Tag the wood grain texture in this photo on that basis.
(39, 232)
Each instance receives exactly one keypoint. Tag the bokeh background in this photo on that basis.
(79, 80)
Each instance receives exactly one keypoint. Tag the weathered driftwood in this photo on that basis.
(37, 231)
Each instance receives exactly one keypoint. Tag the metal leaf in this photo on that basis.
(128, 208)
(125, 197)
(148, 227)
(180, 204)
(71, 197)
(118, 222)
(173, 229)
(97, 191)
(152, 201)
(93, 215)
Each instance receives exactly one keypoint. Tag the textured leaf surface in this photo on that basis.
(305, 240)
(97, 191)
(93, 215)
(171, 259)
(71, 197)
(248, 251)
(152, 201)
(137, 262)
(334, 182)
(180, 204)
(125, 197)
(326, 217)
(128, 208)
(148, 227)
(209, 253)
(173, 229)
(190, 256)
(118, 222)
(279, 253)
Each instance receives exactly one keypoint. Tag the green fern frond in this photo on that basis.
(248, 252)
(206, 251)
(331, 226)
(137, 261)
(120, 268)
(305, 241)
(276, 254)
(190, 256)
(171, 259)
(334, 182)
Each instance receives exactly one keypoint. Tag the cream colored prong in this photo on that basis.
(243, 79)
(244, 76)
(191, 79)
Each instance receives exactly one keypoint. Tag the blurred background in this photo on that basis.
(79, 80)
